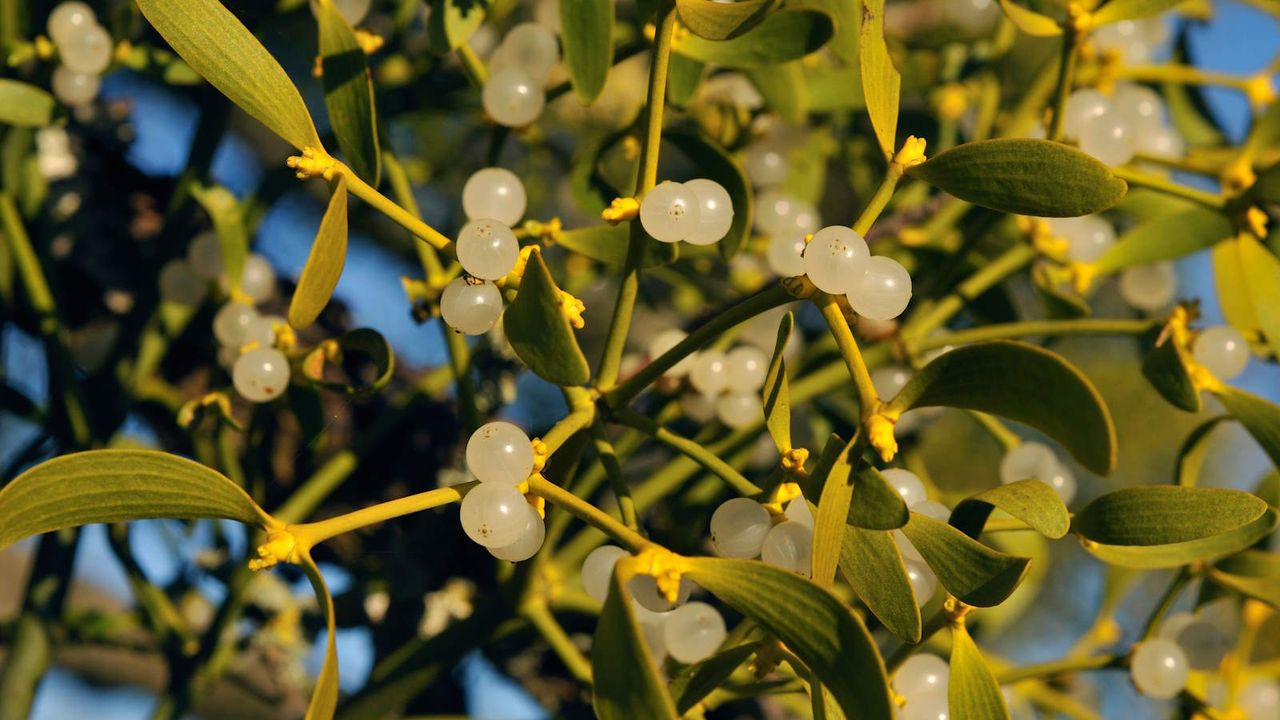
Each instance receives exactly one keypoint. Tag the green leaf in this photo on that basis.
(1261, 272)
(1194, 449)
(606, 244)
(365, 355)
(783, 36)
(1030, 21)
(1010, 378)
(216, 45)
(777, 393)
(1165, 367)
(876, 504)
(25, 105)
(1165, 237)
(324, 697)
(1024, 176)
(683, 78)
(715, 163)
(832, 516)
(1166, 525)
(324, 264)
(1253, 572)
(1031, 501)
(784, 89)
(720, 20)
(972, 690)
(105, 486)
(881, 82)
(539, 332)
(452, 22)
(844, 44)
(586, 32)
(1267, 186)
(348, 93)
(1260, 417)
(1118, 10)
(227, 216)
(1233, 287)
(971, 571)
(813, 623)
(872, 563)
(829, 89)
(626, 683)
(700, 679)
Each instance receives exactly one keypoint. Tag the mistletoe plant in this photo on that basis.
(669, 161)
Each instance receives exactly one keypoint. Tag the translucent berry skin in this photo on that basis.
(746, 367)
(1161, 142)
(597, 570)
(494, 514)
(1083, 106)
(73, 87)
(231, 322)
(907, 484)
(738, 528)
(1140, 106)
(883, 291)
(664, 341)
(1149, 287)
(181, 286)
(69, 19)
(1222, 350)
(262, 330)
(88, 50)
(698, 407)
(785, 255)
(644, 590)
(470, 309)
(715, 212)
(789, 545)
(693, 632)
(512, 98)
(779, 213)
(1260, 699)
(669, 212)
(529, 47)
(204, 254)
(499, 452)
(923, 582)
(353, 11)
(487, 249)
(739, 409)
(494, 193)
(1109, 139)
(261, 374)
(258, 280)
(1158, 668)
(922, 674)
(926, 707)
(1036, 461)
(709, 374)
(1203, 644)
(529, 542)
(1088, 237)
(766, 164)
(798, 511)
(835, 259)
(933, 509)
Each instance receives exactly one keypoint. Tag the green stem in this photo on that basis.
(1167, 600)
(936, 622)
(561, 644)
(937, 315)
(690, 449)
(613, 470)
(1181, 74)
(588, 513)
(868, 399)
(998, 430)
(1033, 328)
(620, 324)
(399, 215)
(880, 199)
(1056, 668)
(472, 65)
(309, 534)
(1164, 185)
(767, 299)
(1066, 78)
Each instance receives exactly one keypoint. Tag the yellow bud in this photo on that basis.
(540, 454)
(572, 308)
(317, 67)
(1255, 222)
(369, 42)
(538, 503)
(312, 163)
(1259, 90)
(951, 100)
(281, 546)
(44, 48)
(123, 50)
(912, 237)
(793, 461)
(621, 210)
(1238, 176)
(1082, 276)
(880, 433)
(664, 566)
(912, 152)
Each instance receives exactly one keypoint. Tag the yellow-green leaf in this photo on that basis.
(539, 332)
(830, 520)
(365, 356)
(700, 679)
(683, 78)
(324, 264)
(324, 697)
(452, 22)
(1194, 450)
(586, 31)
(1260, 417)
(105, 486)
(25, 105)
(1009, 379)
(972, 690)
(228, 222)
(348, 93)
(822, 631)
(783, 36)
(1165, 367)
(1118, 10)
(881, 82)
(876, 504)
(784, 89)
(847, 16)
(216, 45)
(606, 244)
(872, 563)
(1031, 501)
(1167, 525)
(1030, 21)
(1261, 272)
(626, 683)
(1024, 176)
(777, 393)
(968, 569)
(1165, 237)
(1253, 572)
(720, 20)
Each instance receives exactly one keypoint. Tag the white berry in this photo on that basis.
(1222, 350)
(798, 511)
(487, 249)
(1036, 461)
(529, 542)
(261, 374)
(88, 50)
(778, 213)
(739, 409)
(494, 514)
(922, 674)
(470, 308)
(1140, 106)
(495, 193)
(1109, 139)
(883, 291)
(709, 374)
(597, 570)
(785, 255)
(789, 545)
(746, 367)
(528, 47)
(693, 632)
(715, 212)
(499, 452)
(258, 280)
(766, 164)
(669, 212)
(1088, 237)
(73, 87)
(262, 330)
(513, 98)
(738, 528)
(923, 582)
(1260, 699)
(181, 286)
(698, 407)
(644, 590)
(1203, 644)
(835, 259)
(907, 484)
(69, 19)
(1083, 106)
(231, 322)
(204, 254)
(1158, 668)
(933, 509)
(1149, 287)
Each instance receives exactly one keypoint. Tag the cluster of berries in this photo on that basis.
(699, 212)
(519, 68)
(727, 385)
(743, 528)
(495, 513)
(84, 48)
(493, 199)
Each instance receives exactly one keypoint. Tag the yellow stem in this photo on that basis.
(402, 217)
(831, 312)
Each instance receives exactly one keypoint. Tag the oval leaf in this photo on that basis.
(784, 89)
(324, 265)
(1165, 237)
(105, 486)
(684, 75)
(881, 82)
(830, 520)
(777, 393)
(1194, 449)
(972, 690)
(216, 45)
(1025, 176)
(1260, 417)
(25, 105)
(324, 697)
(348, 93)
(876, 504)
(355, 348)
(971, 571)
(1233, 288)
(1261, 272)
(1167, 526)
(1253, 572)
(1030, 21)
(227, 216)
(539, 333)
(720, 20)
(1165, 367)
(701, 679)
(1118, 10)
(626, 682)
(782, 36)
(586, 31)
(715, 163)
(872, 564)
(1012, 379)
(814, 624)
(1031, 501)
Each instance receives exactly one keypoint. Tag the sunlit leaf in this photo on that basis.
(777, 394)
(227, 216)
(684, 75)
(1194, 450)
(830, 520)
(216, 45)
(783, 88)
(324, 697)
(539, 332)
(1165, 237)
(1233, 287)
(720, 20)
(971, 571)
(25, 105)
(1253, 572)
(348, 93)
(1165, 367)
(604, 243)
(586, 32)
(105, 486)
(452, 22)
(1261, 272)
(1260, 417)
(872, 563)
(1030, 21)
(1032, 501)
(626, 682)
(972, 690)
(881, 83)
(783, 36)
(324, 264)
(876, 504)
(1118, 10)
(700, 679)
